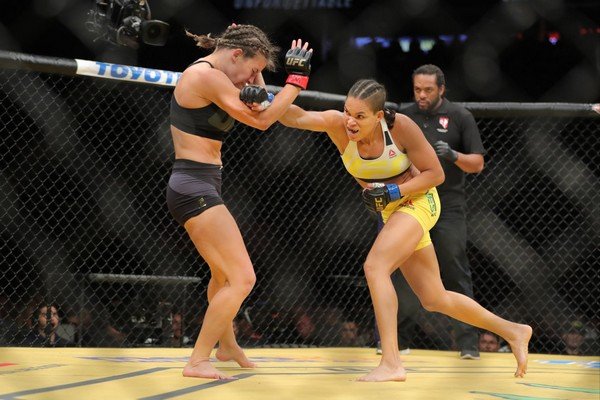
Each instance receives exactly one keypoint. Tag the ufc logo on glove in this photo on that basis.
(296, 61)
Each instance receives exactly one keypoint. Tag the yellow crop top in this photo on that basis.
(391, 163)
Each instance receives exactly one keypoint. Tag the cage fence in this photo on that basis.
(85, 227)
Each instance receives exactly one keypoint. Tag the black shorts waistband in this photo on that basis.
(183, 164)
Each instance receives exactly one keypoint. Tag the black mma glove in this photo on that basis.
(297, 65)
(443, 150)
(377, 197)
(256, 94)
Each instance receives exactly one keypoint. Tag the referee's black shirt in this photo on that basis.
(456, 126)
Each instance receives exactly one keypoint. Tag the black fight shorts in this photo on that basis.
(193, 188)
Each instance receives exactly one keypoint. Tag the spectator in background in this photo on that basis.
(245, 333)
(23, 320)
(350, 335)
(45, 320)
(176, 338)
(453, 133)
(328, 321)
(489, 342)
(88, 328)
(67, 329)
(573, 340)
(433, 332)
(305, 329)
(593, 334)
(97, 326)
(546, 335)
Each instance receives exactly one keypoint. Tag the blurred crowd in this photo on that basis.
(527, 69)
(40, 323)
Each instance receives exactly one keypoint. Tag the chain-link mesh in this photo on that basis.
(85, 164)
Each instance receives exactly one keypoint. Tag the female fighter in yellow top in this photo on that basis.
(390, 158)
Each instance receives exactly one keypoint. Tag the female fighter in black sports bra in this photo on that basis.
(204, 106)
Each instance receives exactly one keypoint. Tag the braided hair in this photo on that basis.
(374, 94)
(250, 39)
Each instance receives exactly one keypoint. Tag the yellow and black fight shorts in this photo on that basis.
(425, 207)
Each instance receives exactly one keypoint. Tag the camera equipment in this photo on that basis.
(126, 22)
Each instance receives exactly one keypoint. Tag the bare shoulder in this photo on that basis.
(199, 82)
(200, 73)
(334, 122)
(402, 120)
(403, 125)
(333, 117)
(405, 131)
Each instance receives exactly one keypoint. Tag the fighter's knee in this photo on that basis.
(429, 305)
(219, 281)
(251, 281)
(368, 269)
(372, 269)
(433, 303)
(246, 283)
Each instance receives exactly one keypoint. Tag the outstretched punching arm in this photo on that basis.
(318, 121)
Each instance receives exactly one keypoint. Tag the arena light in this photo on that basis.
(362, 41)
(383, 41)
(553, 37)
(404, 43)
(426, 44)
(448, 39)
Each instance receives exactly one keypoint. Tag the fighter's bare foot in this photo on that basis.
(203, 369)
(236, 354)
(384, 373)
(519, 345)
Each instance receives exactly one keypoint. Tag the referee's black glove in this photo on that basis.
(443, 150)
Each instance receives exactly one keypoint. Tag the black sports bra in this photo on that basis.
(209, 121)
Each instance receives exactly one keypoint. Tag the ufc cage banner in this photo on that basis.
(127, 73)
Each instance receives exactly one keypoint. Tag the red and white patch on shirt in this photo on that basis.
(444, 122)
(392, 154)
